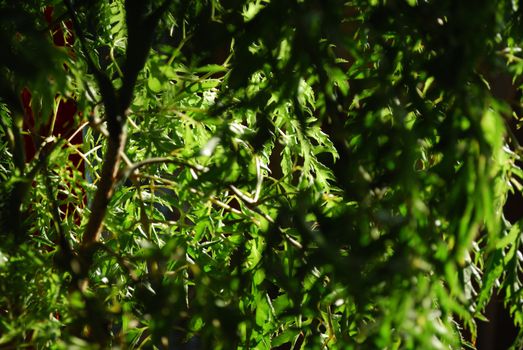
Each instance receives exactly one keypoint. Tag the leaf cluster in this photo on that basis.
(300, 174)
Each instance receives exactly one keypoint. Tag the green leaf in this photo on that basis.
(211, 68)
(284, 337)
(154, 84)
(510, 238)
(493, 270)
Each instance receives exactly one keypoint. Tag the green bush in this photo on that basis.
(256, 174)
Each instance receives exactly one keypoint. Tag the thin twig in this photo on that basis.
(80, 128)
(159, 160)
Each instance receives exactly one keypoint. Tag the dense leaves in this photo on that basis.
(296, 174)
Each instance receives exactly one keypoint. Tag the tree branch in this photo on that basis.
(104, 191)
(140, 29)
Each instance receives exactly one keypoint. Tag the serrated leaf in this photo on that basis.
(493, 270)
(511, 237)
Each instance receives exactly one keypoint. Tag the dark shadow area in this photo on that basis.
(499, 333)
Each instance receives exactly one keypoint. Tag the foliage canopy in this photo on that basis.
(255, 174)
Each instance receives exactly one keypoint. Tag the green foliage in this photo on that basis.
(309, 174)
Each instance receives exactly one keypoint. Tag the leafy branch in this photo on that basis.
(140, 29)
